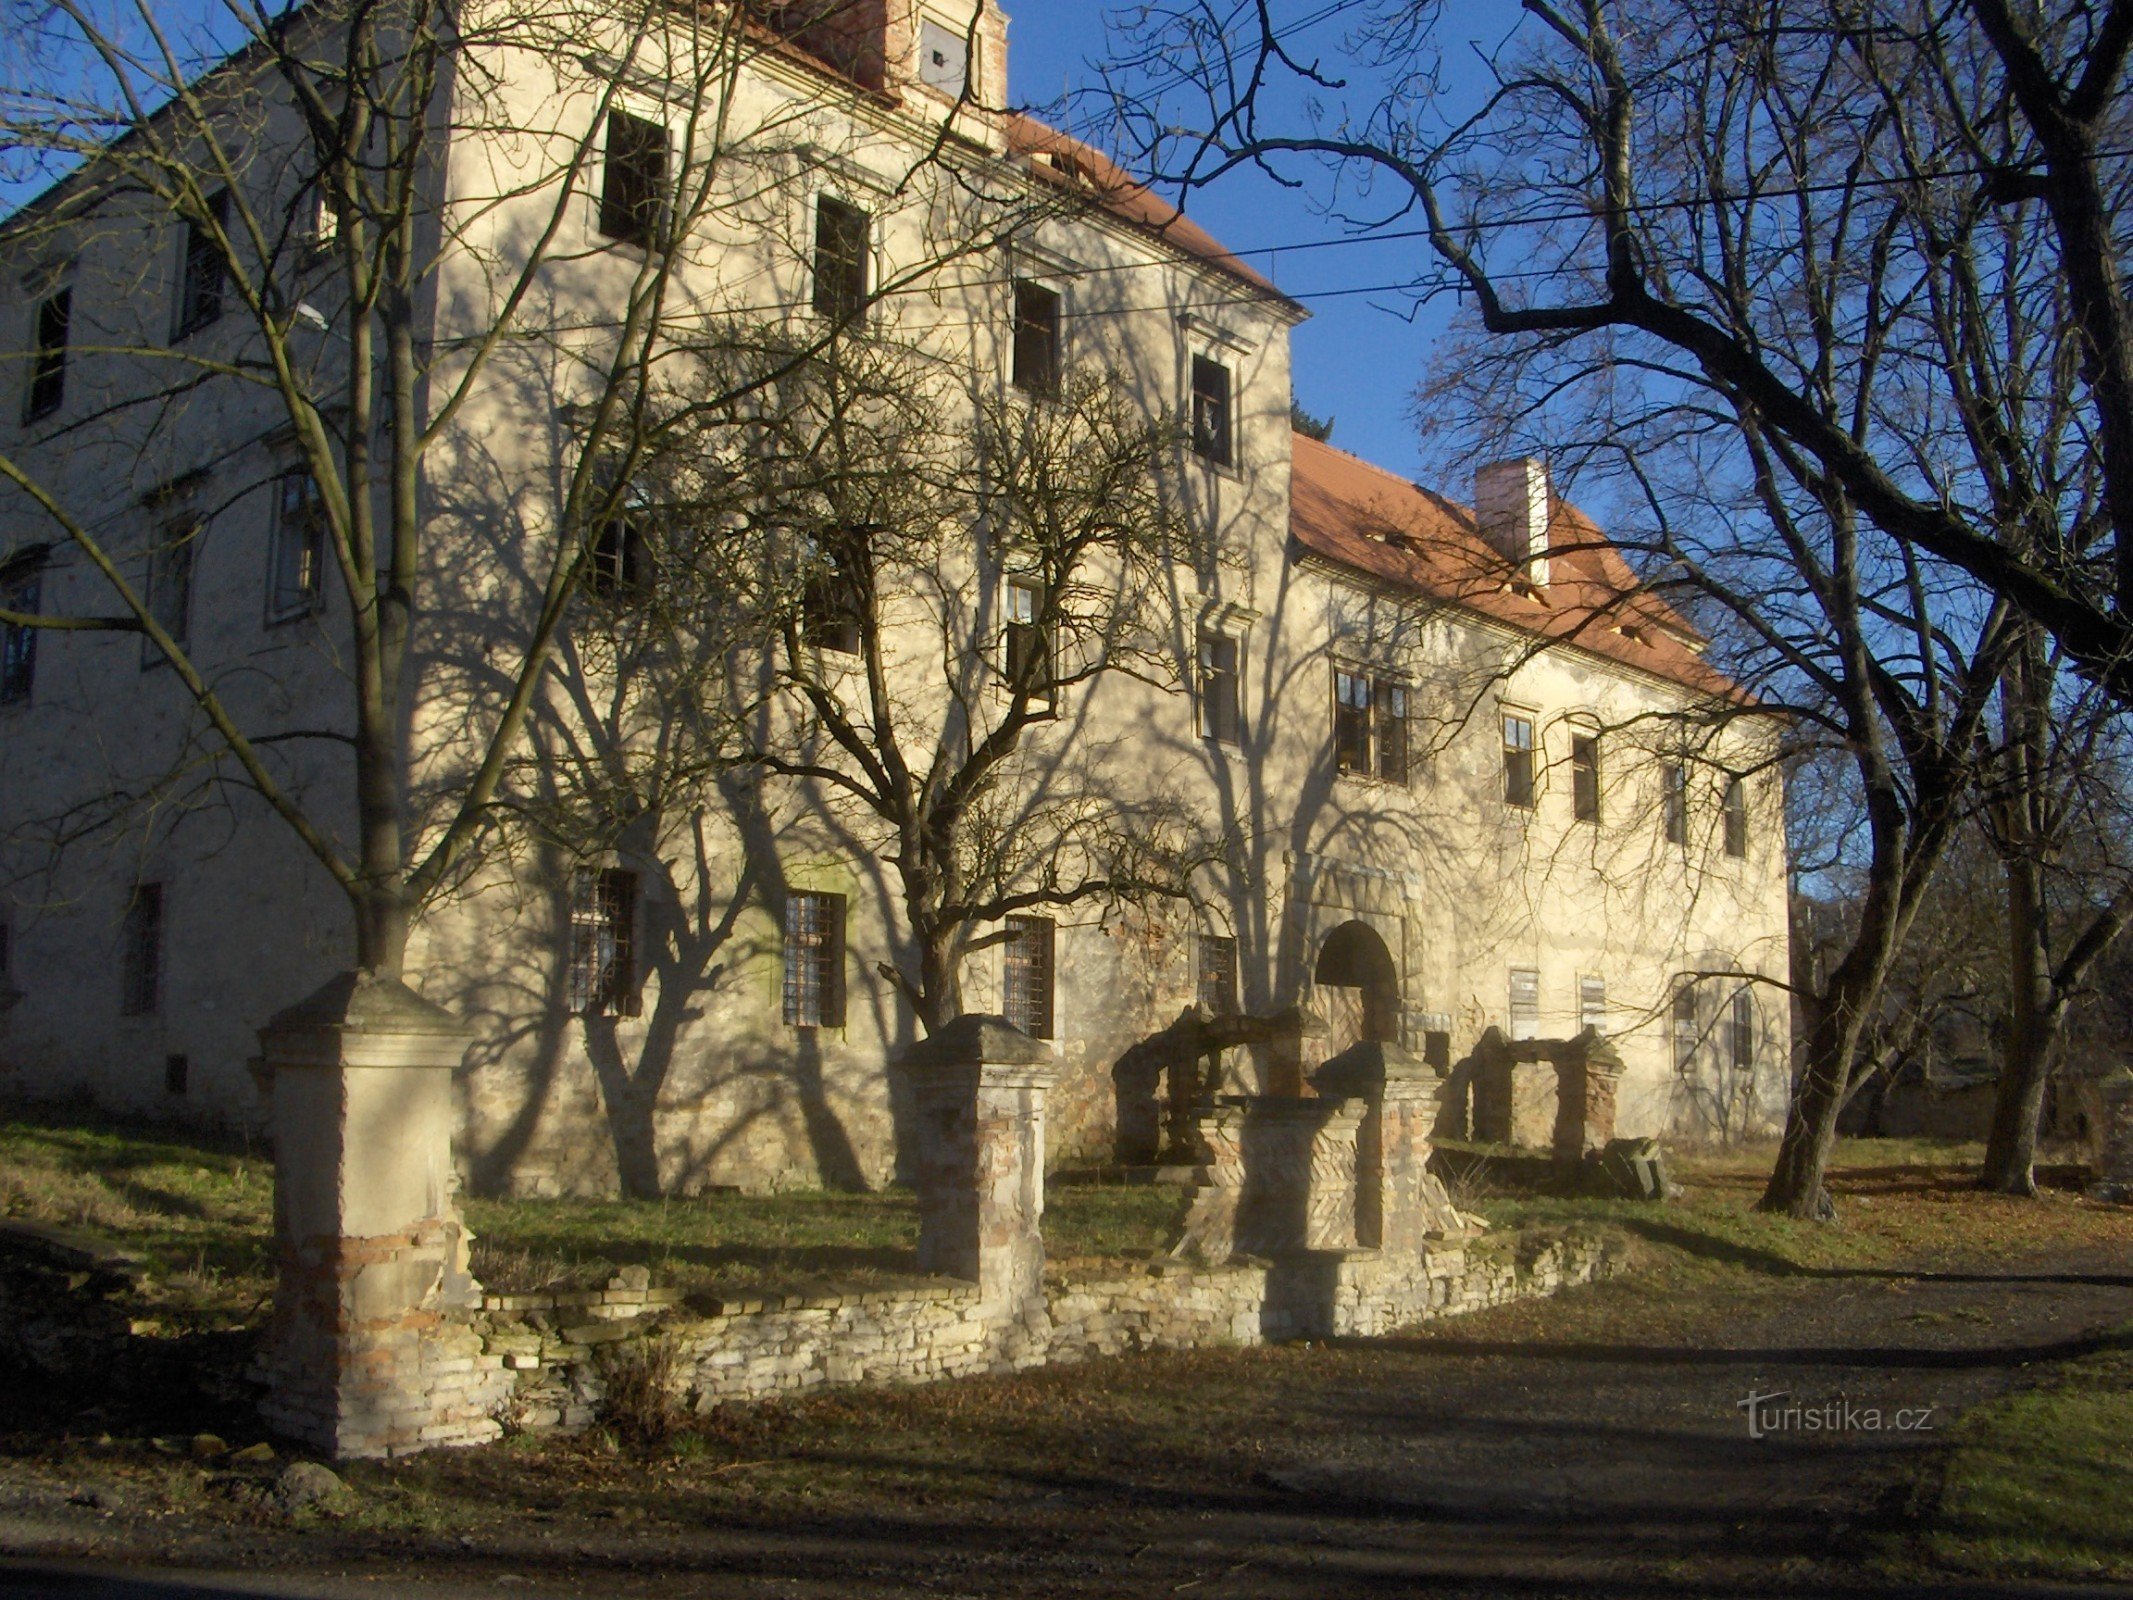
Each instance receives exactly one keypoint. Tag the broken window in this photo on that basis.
(603, 942)
(1036, 340)
(633, 182)
(1585, 777)
(141, 953)
(1221, 689)
(200, 274)
(842, 240)
(814, 960)
(1026, 975)
(48, 363)
(1211, 411)
(296, 567)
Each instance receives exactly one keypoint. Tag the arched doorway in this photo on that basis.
(1358, 987)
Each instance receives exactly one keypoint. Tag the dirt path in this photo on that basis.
(1530, 1452)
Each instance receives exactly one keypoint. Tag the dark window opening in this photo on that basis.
(296, 574)
(201, 280)
(1218, 974)
(842, 240)
(1026, 988)
(170, 588)
(633, 182)
(1518, 761)
(814, 960)
(1036, 340)
(1028, 654)
(1211, 411)
(603, 942)
(141, 953)
(1736, 814)
(177, 1072)
(48, 367)
(1585, 777)
(19, 591)
(1389, 700)
(1674, 801)
(829, 612)
(1221, 689)
(1740, 1031)
(618, 561)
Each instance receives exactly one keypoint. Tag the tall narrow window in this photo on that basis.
(48, 365)
(1740, 1031)
(1221, 689)
(1518, 761)
(170, 587)
(1674, 801)
(618, 561)
(1685, 1029)
(842, 240)
(1736, 814)
(633, 181)
(1211, 411)
(141, 953)
(603, 942)
(200, 274)
(296, 573)
(1026, 975)
(1585, 777)
(1525, 1002)
(1036, 339)
(1389, 708)
(829, 611)
(1218, 974)
(1370, 726)
(1028, 645)
(814, 960)
(1351, 722)
(20, 585)
(1592, 1002)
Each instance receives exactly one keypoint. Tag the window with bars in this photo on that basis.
(843, 239)
(1686, 1032)
(1674, 801)
(1369, 726)
(141, 953)
(1735, 810)
(1026, 975)
(1585, 777)
(20, 590)
(1740, 1031)
(200, 270)
(1026, 642)
(603, 942)
(1037, 362)
(1221, 688)
(48, 364)
(170, 587)
(1218, 974)
(1518, 760)
(814, 960)
(1211, 411)
(296, 566)
(1592, 1002)
(1525, 1002)
(633, 179)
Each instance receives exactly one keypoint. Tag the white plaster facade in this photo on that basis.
(706, 1082)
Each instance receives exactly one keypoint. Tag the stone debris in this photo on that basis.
(305, 1485)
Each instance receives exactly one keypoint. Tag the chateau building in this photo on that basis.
(1457, 768)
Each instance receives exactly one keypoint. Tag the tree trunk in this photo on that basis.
(1797, 1187)
(2034, 1017)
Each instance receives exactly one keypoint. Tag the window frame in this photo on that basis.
(1585, 776)
(1674, 801)
(1219, 690)
(1520, 762)
(1741, 1030)
(1733, 808)
(1041, 375)
(203, 274)
(636, 157)
(811, 988)
(1031, 949)
(1213, 417)
(1592, 1002)
(1382, 720)
(1018, 635)
(164, 561)
(1512, 1016)
(839, 294)
(308, 524)
(141, 976)
(22, 582)
(46, 390)
(604, 977)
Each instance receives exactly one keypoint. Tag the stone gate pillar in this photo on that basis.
(367, 1355)
(979, 1088)
(1398, 1202)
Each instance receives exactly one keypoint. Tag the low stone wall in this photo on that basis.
(557, 1345)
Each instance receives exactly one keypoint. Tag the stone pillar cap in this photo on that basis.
(1371, 1064)
(972, 1038)
(365, 1001)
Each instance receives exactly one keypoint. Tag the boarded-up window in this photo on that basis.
(1036, 339)
(1211, 411)
(603, 942)
(1221, 689)
(814, 960)
(1585, 777)
(943, 58)
(1218, 974)
(843, 237)
(1592, 1002)
(633, 181)
(1525, 1002)
(141, 953)
(48, 366)
(1026, 975)
(200, 270)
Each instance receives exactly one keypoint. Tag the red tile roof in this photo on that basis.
(1072, 164)
(1365, 518)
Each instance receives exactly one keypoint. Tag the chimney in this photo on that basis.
(1511, 511)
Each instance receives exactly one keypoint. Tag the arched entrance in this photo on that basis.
(1358, 987)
